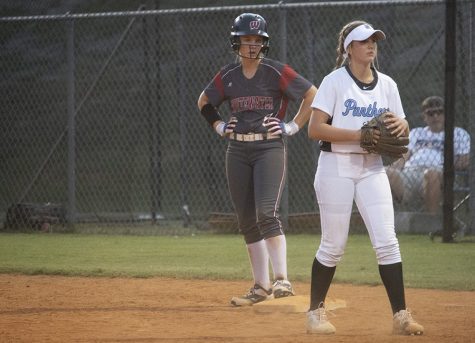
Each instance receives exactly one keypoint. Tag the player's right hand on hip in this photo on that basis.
(224, 129)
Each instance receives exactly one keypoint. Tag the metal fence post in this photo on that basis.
(471, 80)
(184, 151)
(152, 77)
(71, 209)
(450, 67)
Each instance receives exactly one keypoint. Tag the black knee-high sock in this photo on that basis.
(322, 277)
(391, 274)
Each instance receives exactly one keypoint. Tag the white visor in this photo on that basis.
(361, 33)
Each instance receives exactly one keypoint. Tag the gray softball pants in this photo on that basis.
(256, 177)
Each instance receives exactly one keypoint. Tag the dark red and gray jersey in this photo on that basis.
(250, 100)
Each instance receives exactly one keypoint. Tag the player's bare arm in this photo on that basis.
(319, 129)
(304, 112)
(202, 100)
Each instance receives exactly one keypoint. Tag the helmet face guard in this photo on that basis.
(248, 24)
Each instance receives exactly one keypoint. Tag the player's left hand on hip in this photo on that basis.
(277, 127)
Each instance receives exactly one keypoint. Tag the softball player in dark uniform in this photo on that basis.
(257, 90)
(349, 96)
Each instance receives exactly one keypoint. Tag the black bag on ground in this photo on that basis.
(34, 216)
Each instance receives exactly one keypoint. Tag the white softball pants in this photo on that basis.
(340, 179)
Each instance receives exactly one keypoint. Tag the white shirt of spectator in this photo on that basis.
(427, 147)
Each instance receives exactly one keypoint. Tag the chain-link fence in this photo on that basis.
(99, 113)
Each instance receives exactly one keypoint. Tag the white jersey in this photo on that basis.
(351, 103)
(427, 147)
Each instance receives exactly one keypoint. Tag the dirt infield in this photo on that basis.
(74, 309)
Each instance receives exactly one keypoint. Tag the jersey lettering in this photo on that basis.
(247, 103)
(351, 106)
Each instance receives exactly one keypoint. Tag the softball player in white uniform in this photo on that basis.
(351, 95)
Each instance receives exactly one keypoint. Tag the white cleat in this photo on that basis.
(282, 288)
(317, 322)
(404, 324)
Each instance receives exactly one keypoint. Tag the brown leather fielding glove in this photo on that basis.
(390, 147)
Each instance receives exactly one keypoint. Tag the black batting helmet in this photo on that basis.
(249, 24)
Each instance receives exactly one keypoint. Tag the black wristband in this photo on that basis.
(210, 113)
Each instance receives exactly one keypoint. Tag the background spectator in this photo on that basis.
(420, 173)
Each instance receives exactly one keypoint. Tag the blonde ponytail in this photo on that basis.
(340, 49)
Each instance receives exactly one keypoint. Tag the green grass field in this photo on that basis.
(204, 256)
